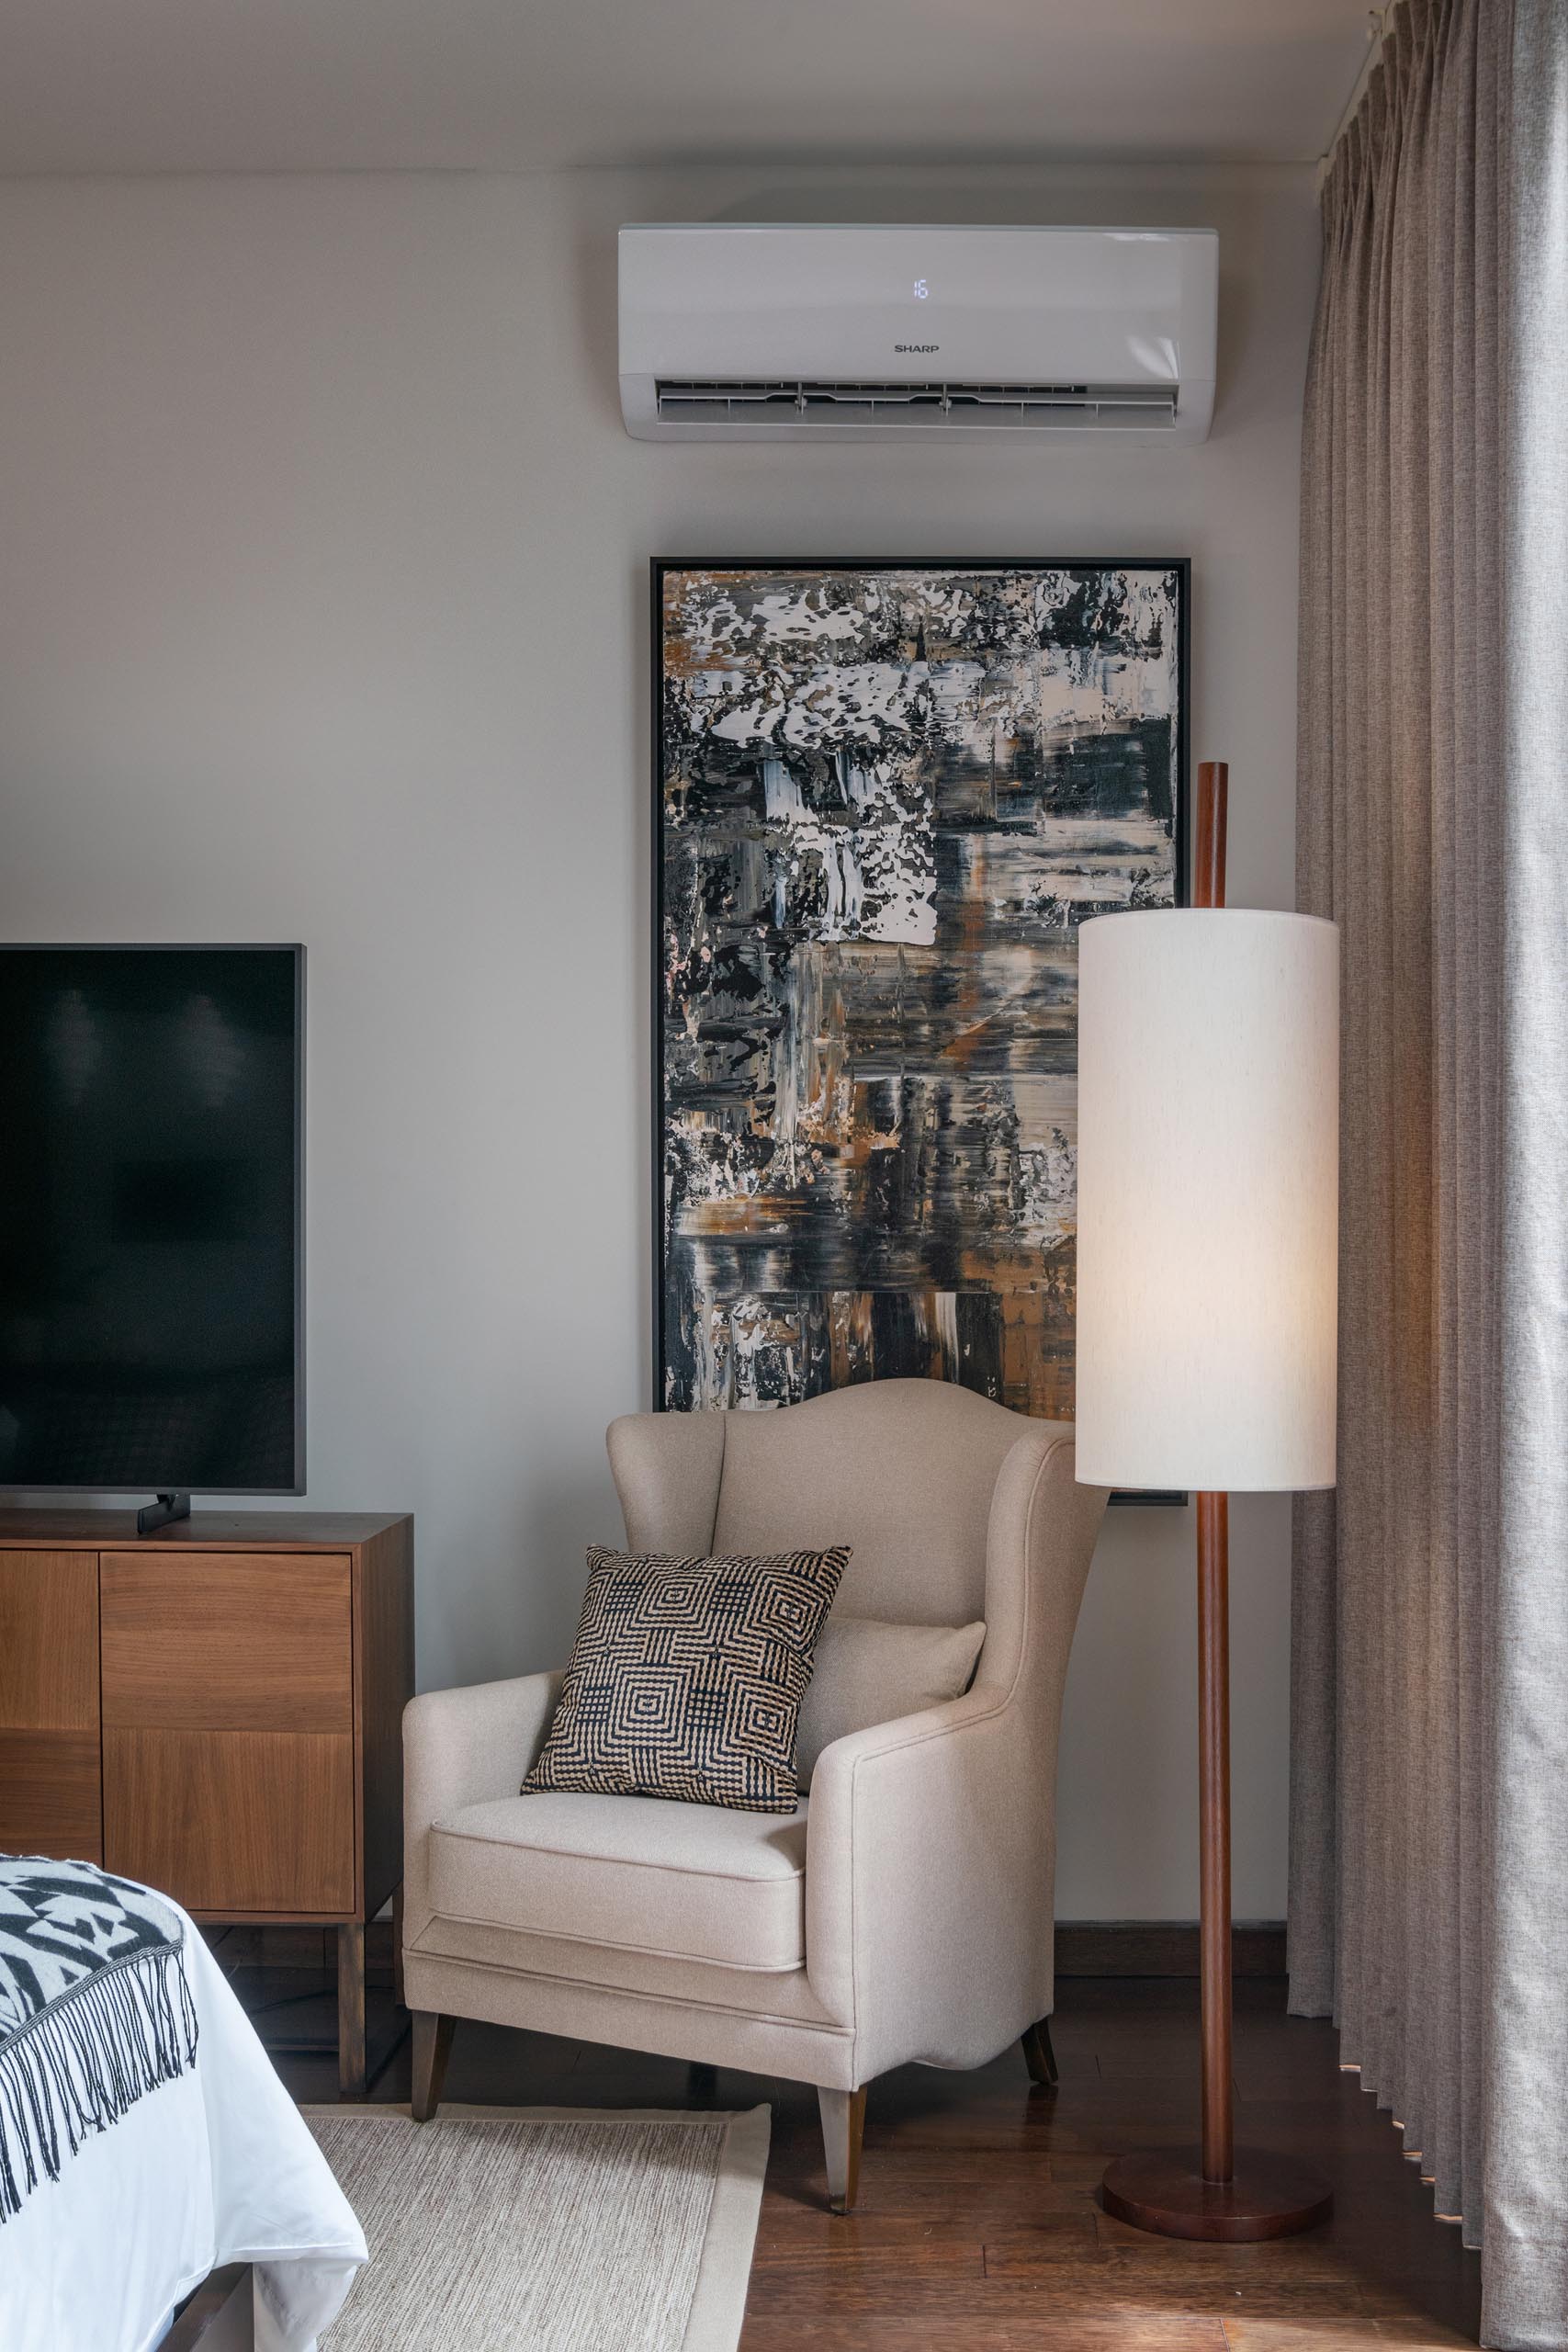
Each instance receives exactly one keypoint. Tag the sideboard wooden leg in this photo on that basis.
(351, 2009)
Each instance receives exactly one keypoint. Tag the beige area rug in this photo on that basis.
(546, 2229)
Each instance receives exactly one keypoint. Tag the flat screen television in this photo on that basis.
(150, 1219)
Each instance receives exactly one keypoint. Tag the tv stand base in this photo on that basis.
(162, 1513)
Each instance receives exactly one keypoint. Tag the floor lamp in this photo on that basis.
(1208, 1158)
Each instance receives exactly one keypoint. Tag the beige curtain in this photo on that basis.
(1430, 1810)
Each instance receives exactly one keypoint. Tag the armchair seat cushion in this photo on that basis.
(643, 1875)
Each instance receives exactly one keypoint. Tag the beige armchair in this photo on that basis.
(905, 1911)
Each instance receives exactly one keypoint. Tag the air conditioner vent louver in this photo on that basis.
(804, 402)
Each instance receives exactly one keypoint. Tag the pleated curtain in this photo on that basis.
(1429, 1787)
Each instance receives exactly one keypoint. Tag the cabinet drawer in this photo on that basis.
(49, 1704)
(50, 1795)
(233, 1821)
(228, 1641)
(48, 1641)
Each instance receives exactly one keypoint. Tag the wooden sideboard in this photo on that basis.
(215, 1709)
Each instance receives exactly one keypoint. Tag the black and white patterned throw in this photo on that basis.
(95, 2010)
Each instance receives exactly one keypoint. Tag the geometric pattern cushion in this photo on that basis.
(685, 1677)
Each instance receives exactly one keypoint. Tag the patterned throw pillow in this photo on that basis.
(686, 1677)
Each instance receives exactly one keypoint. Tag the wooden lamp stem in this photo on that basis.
(1209, 857)
(1214, 1830)
(1209, 2193)
(1213, 1659)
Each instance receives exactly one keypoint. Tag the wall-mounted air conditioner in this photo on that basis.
(731, 331)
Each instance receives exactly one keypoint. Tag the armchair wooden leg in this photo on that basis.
(1039, 2055)
(432, 2048)
(843, 2121)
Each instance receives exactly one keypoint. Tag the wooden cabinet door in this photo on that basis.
(233, 1821)
(229, 1732)
(228, 1641)
(50, 1794)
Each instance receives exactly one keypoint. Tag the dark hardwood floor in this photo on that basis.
(978, 2229)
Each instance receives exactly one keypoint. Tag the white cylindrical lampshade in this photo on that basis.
(1208, 1199)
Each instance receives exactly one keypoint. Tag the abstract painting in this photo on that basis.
(886, 796)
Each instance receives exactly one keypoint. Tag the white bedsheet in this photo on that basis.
(216, 2167)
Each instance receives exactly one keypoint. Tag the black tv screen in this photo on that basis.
(150, 1218)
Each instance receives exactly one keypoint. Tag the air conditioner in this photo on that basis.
(735, 332)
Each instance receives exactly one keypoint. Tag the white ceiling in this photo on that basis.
(229, 85)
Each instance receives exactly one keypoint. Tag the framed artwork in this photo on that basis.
(886, 794)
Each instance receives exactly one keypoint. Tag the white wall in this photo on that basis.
(322, 616)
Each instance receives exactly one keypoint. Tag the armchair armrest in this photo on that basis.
(930, 1854)
(459, 1748)
(927, 1882)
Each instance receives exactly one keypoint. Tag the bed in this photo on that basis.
(190, 2156)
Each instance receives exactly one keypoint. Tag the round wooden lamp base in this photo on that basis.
(1269, 2195)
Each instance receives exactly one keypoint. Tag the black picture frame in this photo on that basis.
(660, 568)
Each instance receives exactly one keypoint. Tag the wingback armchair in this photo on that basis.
(905, 1911)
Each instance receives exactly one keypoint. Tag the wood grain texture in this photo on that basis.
(48, 1641)
(1034, 2330)
(1214, 1686)
(978, 2228)
(433, 2030)
(383, 1685)
(1214, 1808)
(50, 1795)
(1163, 1948)
(396, 1924)
(1209, 848)
(1039, 2056)
(230, 1642)
(255, 1666)
(233, 1821)
(204, 1531)
(843, 2125)
(1263, 2195)
(351, 2009)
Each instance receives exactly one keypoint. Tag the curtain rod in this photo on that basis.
(1377, 34)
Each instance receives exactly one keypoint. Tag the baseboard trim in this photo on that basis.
(1162, 1948)
(1084, 1948)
